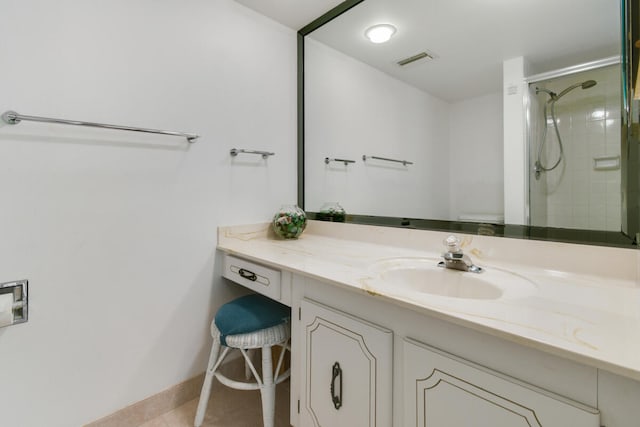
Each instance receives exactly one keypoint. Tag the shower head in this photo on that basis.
(584, 85)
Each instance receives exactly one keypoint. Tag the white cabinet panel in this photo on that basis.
(442, 390)
(619, 400)
(347, 369)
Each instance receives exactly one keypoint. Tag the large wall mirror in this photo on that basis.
(511, 117)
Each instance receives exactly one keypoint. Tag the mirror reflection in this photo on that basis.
(575, 164)
(485, 110)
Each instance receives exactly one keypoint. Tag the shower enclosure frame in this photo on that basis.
(536, 78)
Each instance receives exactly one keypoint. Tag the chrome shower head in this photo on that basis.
(584, 85)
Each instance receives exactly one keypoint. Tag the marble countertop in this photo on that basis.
(585, 307)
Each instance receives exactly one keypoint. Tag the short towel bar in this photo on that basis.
(327, 160)
(404, 162)
(235, 151)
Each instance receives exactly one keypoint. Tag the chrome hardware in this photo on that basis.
(404, 162)
(327, 160)
(455, 259)
(20, 291)
(13, 118)
(235, 151)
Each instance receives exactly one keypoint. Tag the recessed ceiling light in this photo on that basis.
(380, 33)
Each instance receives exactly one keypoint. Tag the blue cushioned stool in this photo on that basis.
(249, 322)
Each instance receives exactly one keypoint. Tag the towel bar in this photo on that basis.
(13, 118)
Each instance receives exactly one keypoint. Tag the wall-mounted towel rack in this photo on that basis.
(404, 162)
(235, 151)
(327, 160)
(13, 118)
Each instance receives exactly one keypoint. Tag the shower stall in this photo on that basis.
(574, 130)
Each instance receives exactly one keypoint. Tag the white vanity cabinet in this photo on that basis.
(347, 369)
(441, 390)
(361, 359)
(492, 380)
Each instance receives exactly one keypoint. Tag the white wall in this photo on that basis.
(354, 109)
(515, 148)
(117, 231)
(476, 179)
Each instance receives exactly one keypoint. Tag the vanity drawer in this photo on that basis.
(261, 279)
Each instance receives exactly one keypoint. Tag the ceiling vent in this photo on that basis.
(414, 58)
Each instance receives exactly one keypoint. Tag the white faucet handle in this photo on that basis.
(452, 243)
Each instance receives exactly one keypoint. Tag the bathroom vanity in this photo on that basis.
(548, 335)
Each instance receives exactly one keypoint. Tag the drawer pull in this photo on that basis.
(246, 274)
(336, 372)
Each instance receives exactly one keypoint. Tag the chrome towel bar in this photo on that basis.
(13, 118)
(235, 151)
(404, 162)
(327, 160)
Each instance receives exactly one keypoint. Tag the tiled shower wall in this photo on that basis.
(575, 194)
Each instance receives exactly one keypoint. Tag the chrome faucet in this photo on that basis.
(455, 259)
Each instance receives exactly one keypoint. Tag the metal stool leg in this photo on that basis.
(206, 386)
(268, 389)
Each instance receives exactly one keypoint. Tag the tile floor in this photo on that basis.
(228, 408)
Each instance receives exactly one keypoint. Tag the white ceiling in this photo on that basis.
(294, 14)
(471, 38)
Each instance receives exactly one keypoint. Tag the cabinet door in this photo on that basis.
(442, 390)
(347, 370)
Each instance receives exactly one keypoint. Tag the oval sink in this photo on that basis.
(443, 282)
(418, 276)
